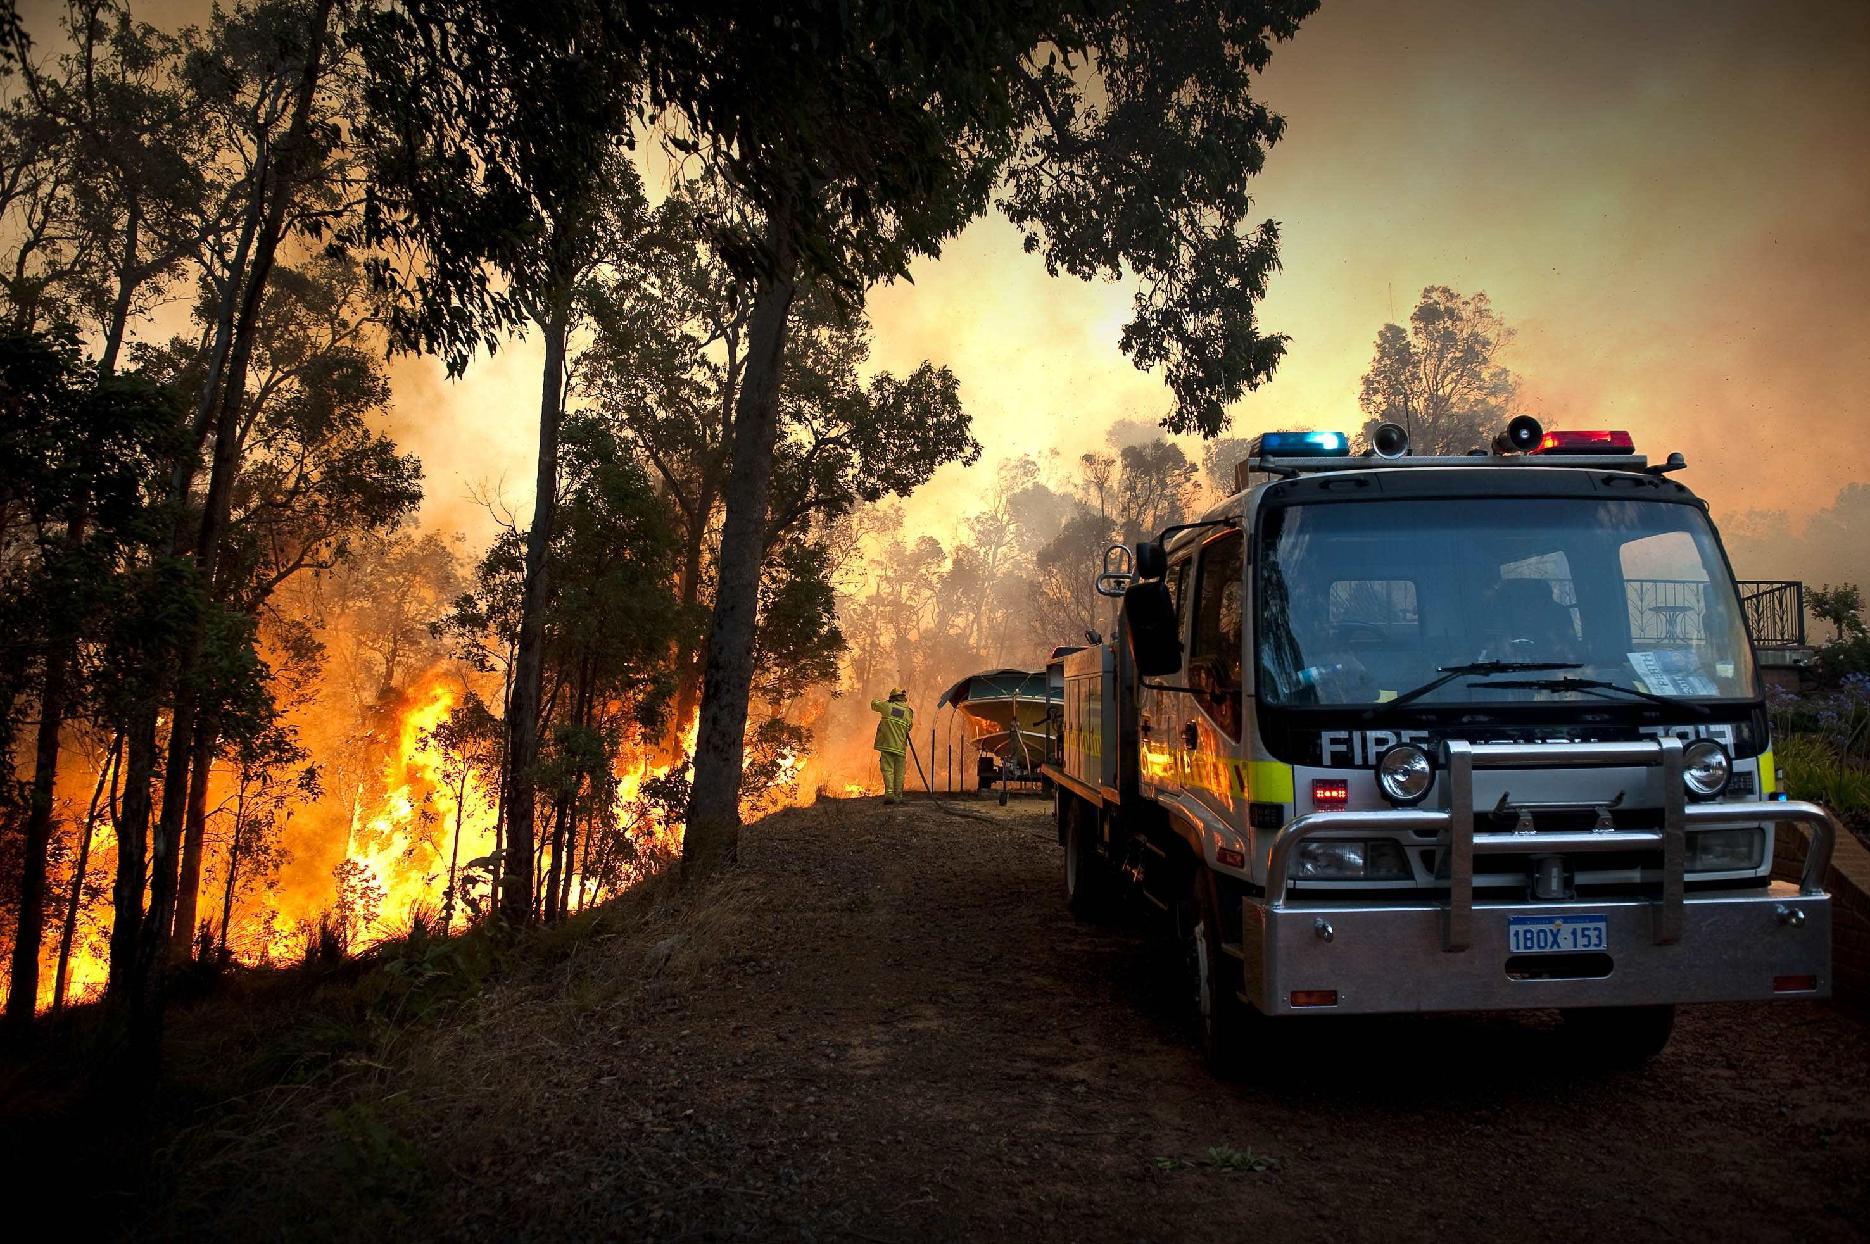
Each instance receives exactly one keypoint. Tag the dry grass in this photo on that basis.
(353, 1093)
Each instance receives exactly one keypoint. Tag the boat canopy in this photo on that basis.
(995, 685)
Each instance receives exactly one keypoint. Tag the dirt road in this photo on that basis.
(909, 1039)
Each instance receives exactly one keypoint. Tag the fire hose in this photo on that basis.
(940, 802)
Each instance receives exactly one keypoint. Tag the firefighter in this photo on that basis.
(895, 720)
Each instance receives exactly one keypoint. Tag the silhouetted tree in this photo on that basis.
(1439, 377)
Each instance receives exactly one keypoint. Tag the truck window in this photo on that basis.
(1178, 580)
(1552, 572)
(1367, 611)
(1665, 591)
(1361, 603)
(1214, 653)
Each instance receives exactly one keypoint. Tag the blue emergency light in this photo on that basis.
(1299, 445)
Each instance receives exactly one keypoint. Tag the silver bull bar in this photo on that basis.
(1459, 842)
(1372, 952)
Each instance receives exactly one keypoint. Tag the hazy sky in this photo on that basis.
(1669, 201)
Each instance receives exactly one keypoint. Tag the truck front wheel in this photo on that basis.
(1618, 1035)
(1090, 891)
(1228, 1024)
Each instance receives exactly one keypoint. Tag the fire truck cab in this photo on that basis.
(1386, 733)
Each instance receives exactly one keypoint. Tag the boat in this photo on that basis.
(1006, 713)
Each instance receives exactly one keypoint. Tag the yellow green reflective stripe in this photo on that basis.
(1269, 781)
(1769, 774)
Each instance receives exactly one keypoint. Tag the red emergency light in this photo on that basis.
(1330, 794)
(1585, 442)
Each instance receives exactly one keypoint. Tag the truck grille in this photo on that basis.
(1518, 864)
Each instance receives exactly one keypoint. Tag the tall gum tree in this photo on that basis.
(289, 166)
(1120, 138)
(666, 365)
(496, 136)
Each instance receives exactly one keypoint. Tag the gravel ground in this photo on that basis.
(887, 1028)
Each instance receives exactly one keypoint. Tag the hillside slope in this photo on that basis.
(885, 1027)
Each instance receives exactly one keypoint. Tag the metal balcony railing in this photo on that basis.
(1775, 611)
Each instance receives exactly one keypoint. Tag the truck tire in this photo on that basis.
(1090, 887)
(1230, 1027)
(1618, 1036)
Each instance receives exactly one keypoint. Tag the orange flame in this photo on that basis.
(398, 839)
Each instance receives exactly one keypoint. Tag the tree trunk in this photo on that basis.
(687, 670)
(132, 854)
(233, 870)
(522, 718)
(60, 979)
(146, 1037)
(712, 838)
(188, 890)
(584, 864)
(449, 898)
(126, 289)
(554, 873)
(23, 987)
(562, 900)
(688, 595)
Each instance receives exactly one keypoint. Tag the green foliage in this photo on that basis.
(1842, 606)
(1121, 142)
(494, 135)
(1840, 659)
(374, 1158)
(82, 462)
(775, 750)
(846, 441)
(799, 640)
(1815, 771)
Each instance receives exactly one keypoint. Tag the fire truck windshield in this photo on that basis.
(1361, 602)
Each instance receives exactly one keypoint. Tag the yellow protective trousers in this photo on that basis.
(892, 765)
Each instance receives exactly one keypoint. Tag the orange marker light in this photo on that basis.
(1314, 997)
(1795, 984)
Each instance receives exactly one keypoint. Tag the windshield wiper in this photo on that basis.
(1591, 686)
(1451, 672)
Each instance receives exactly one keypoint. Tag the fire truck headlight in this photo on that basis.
(1405, 773)
(1706, 768)
(1725, 850)
(1380, 860)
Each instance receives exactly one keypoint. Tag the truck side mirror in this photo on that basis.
(1155, 632)
(1152, 560)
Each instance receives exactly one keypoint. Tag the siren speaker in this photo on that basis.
(1390, 440)
(1521, 436)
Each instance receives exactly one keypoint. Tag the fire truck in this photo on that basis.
(1389, 733)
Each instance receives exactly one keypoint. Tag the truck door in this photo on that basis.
(1163, 712)
(1211, 717)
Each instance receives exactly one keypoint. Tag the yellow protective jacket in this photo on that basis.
(893, 725)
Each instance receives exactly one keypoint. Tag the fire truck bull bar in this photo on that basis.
(1368, 955)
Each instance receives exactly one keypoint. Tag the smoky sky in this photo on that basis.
(1669, 201)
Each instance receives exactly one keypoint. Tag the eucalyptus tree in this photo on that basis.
(1120, 139)
(1440, 377)
(115, 114)
(261, 75)
(496, 135)
(667, 362)
(314, 477)
(72, 443)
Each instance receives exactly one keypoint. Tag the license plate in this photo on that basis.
(1550, 935)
